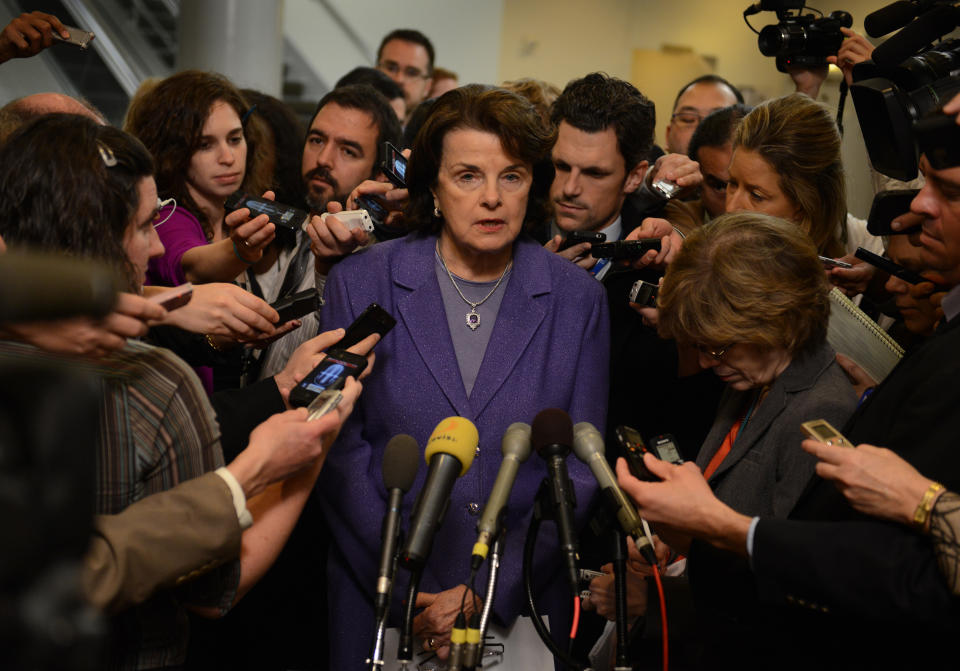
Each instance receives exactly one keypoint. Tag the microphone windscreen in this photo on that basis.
(551, 427)
(892, 17)
(51, 286)
(456, 436)
(587, 441)
(400, 460)
(516, 442)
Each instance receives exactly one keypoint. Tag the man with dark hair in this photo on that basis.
(381, 81)
(349, 127)
(712, 147)
(604, 134)
(407, 56)
(694, 102)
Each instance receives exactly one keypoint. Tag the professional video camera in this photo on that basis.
(799, 40)
(898, 94)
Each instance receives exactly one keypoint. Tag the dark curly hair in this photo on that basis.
(169, 120)
(58, 194)
(598, 101)
(507, 115)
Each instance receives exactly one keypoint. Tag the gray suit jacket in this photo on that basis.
(767, 471)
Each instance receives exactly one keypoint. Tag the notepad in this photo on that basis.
(852, 333)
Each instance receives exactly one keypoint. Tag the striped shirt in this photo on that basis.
(157, 429)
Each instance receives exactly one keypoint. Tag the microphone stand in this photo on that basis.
(620, 587)
(405, 647)
(541, 511)
(491, 587)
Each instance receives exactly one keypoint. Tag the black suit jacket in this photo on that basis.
(833, 587)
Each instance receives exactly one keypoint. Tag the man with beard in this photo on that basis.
(341, 150)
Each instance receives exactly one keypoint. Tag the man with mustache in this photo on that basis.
(341, 150)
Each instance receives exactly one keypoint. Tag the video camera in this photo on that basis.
(899, 93)
(799, 40)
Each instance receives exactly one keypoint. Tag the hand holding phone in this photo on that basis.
(823, 431)
(174, 298)
(663, 447)
(624, 249)
(577, 237)
(329, 375)
(296, 306)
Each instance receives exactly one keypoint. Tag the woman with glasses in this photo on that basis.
(749, 292)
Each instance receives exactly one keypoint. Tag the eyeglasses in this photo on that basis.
(393, 69)
(687, 118)
(716, 354)
(162, 204)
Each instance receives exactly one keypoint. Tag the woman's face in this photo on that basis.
(744, 366)
(218, 166)
(140, 240)
(755, 186)
(481, 192)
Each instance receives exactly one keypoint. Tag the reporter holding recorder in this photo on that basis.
(491, 327)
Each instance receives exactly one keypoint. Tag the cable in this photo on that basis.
(747, 21)
(528, 547)
(576, 618)
(663, 618)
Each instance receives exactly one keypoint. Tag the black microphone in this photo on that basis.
(915, 36)
(552, 435)
(449, 452)
(51, 286)
(400, 461)
(516, 449)
(892, 17)
(588, 445)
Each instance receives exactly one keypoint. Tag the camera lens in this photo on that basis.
(781, 39)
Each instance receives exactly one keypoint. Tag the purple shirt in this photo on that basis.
(179, 233)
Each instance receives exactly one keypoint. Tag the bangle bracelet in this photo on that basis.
(237, 254)
(678, 232)
(921, 516)
(213, 345)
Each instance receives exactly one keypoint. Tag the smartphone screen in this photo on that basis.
(394, 165)
(331, 374)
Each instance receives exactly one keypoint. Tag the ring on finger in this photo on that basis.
(432, 643)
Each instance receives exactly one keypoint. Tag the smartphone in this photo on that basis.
(372, 320)
(278, 213)
(887, 206)
(330, 375)
(378, 213)
(576, 237)
(394, 166)
(624, 249)
(821, 429)
(297, 305)
(352, 219)
(644, 293)
(891, 267)
(829, 263)
(174, 298)
(78, 37)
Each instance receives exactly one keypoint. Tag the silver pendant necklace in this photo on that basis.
(473, 317)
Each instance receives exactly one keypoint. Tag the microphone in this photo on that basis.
(516, 449)
(449, 452)
(400, 461)
(552, 434)
(916, 35)
(588, 445)
(50, 286)
(892, 17)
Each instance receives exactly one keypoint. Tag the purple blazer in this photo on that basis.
(549, 349)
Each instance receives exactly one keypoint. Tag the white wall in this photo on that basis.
(558, 40)
(465, 33)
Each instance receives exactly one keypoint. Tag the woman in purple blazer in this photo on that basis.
(491, 327)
